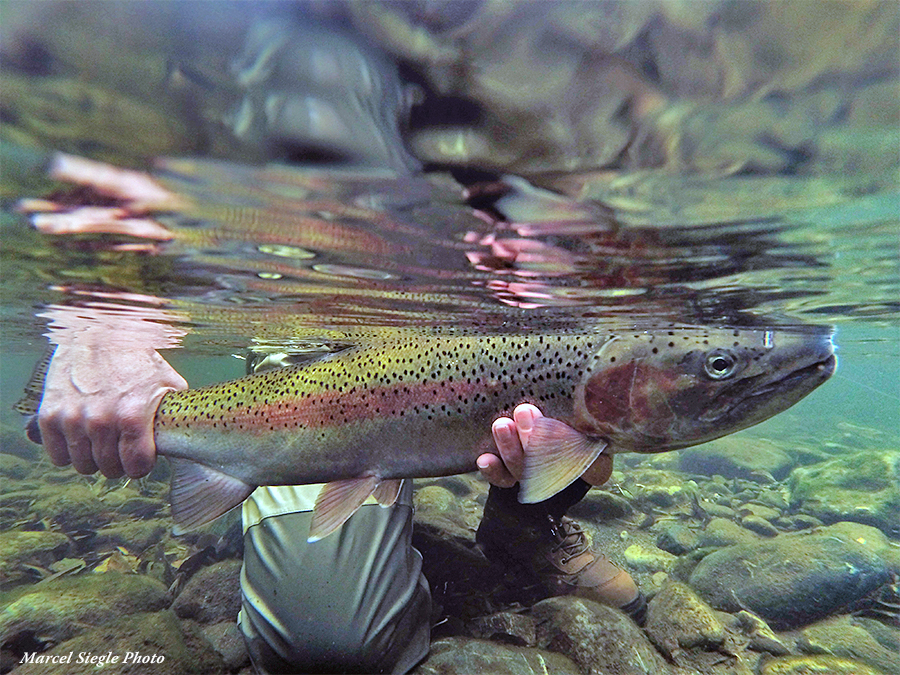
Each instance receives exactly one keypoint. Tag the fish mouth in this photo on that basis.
(812, 375)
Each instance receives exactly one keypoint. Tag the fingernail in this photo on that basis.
(482, 464)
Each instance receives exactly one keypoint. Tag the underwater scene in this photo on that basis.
(475, 336)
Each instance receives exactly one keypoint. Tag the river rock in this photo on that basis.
(846, 636)
(816, 665)
(677, 539)
(226, 639)
(760, 635)
(465, 656)
(791, 580)
(649, 559)
(212, 595)
(144, 643)
(737, 457)
(678, 621)
(759, 525)
(13, 467)
(599, 639)
(720, 532)
(510, 627)
(34, 548)
(864, 487)
(600, 505)
(64, 607)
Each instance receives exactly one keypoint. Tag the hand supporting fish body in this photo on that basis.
(422, 405)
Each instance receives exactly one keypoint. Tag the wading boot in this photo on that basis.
(538, 540)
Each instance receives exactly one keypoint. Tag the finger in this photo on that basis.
(80, 451)
(54, 442)
(600, 471)
(509, 445)
(137, 451)
(524, 415)
(495, 471)
(105, 449)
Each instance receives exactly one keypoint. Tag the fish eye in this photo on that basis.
(719, 364)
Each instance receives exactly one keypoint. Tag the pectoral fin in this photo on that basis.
(337, 502)
(555, 456)
(201, 494)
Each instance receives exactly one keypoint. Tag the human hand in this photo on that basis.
(102, 389)
(511, 437)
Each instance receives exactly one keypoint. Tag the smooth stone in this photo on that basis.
(801, 521)
(816, 665)
(759, 525)
(758, 510)
(760, 635)
(844, 636)
(212, 595)
(467, 656)
(64, 607)
(646, 559)
(678, 620)
(776, 499)
(737, 458)
(716, 510)
(14, 467)
(134, 535)
(25, 547)
(863, 487)
(160, 634)
(600, 505)
(226, 639)
(599, 639)
(677, 539)
(508, 627)
(720, 532)
(791, 580)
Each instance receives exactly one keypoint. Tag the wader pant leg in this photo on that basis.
(353, 602)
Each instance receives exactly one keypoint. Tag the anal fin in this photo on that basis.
(200, 494)
(338, 501)
(555, 456)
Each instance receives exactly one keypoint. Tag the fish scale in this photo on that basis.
(415, 403)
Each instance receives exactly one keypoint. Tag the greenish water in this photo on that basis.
(665, 164)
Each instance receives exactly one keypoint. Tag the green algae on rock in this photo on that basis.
(863, 487)
(793, 579)
(816, 665)
(26, 547)
(173, 646)
(599, 639)
(847, 636)
(464, 656)
(64, 607)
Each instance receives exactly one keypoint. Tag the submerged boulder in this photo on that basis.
(863, 487)
(791, 580)
(64, 607)
(464, 656)
(212, 595)
(737, 457)
(847, 636)
(141, 643)
(599, 639)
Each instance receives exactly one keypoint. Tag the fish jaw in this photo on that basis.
(665, 391)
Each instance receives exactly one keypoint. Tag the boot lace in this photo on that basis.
(571, 540)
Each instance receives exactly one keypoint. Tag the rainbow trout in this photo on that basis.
(422, 404)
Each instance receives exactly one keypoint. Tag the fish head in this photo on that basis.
(661, 390)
